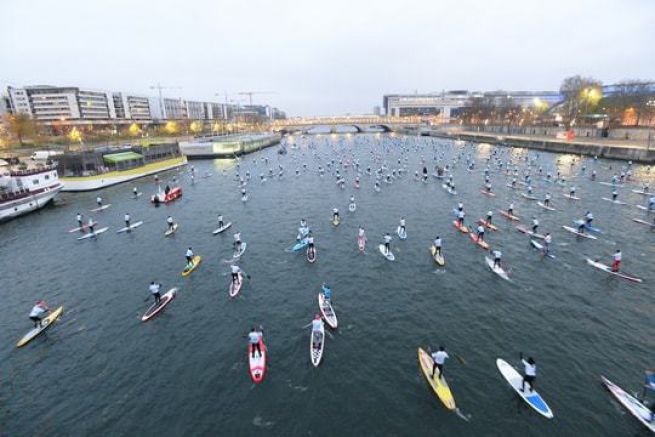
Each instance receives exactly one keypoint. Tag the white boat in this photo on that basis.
(23, 190)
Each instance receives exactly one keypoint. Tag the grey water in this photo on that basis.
(101, 371)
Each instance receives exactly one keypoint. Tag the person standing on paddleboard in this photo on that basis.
(480, 233)
(547, 199)
(572, 191)
(99, 201)
(220, 221)
(460, 218)
(617, 260)
(253, 338)
(335, 214)
(489, 216)
(310, 243)
(439, 359)
(127, 221)
(38, 310)
(510, 210)
(589, 217)
(547, 240)
(235, 273)
(437, 245)
(237, 241)
(189, 257)
(135, 192)
(327, 292)
(402, 225)
(317, 326)
(170, 223)
(387, 243)
(79, 221)
(535, 225)
(90, 225)
(154, 290)
(497, 255)
(460, 207)
(529, 373)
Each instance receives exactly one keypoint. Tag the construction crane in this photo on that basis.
(252, 93)
(159, 89)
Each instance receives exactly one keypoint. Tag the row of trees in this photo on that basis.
(628, 103)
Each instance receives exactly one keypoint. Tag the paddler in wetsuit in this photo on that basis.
(39, 309)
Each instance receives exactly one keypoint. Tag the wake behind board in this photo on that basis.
(438, 384)
(156, 308)
(46, 322)
(531, 397)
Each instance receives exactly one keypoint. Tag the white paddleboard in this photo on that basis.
(243, 249)
(225, 227)
(93, 234)
(630, 403)
(235, 288)
(171, 231)
(579, 234)
(327, 311)
(497, 270)
(608, 269)
(317, 345)
(155, 308)
(402, 235)
(531, 397)
(389, 255)
(132, 226)
(101, 208)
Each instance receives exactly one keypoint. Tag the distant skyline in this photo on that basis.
(336, 57)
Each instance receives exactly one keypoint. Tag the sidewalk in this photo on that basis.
(591, 141)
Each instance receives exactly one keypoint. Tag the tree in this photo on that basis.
(629, 103)
(20, 126)
(581, 94)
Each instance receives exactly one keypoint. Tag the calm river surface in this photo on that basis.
(101, 371)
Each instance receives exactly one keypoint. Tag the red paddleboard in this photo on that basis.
(509, 216)
(157, 308)
(462, 228)
(483, 244)
(257, 365)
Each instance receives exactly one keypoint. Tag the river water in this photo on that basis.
(100, 371)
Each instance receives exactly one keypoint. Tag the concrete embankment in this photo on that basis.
(598, 148)
(227, 147)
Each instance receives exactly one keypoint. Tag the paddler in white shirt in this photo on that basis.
(37, 312)
(439, 358)
(189, 257)
(529, 373)
(253, 339)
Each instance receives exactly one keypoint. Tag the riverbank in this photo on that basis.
(228, 146)
(610, 149)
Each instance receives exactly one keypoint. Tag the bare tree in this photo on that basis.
(576, 93)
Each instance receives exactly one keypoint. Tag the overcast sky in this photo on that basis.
(323, 57)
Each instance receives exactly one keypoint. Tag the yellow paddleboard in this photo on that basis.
(196, 262)
(45, 324)
(437, 258)
(439, 385)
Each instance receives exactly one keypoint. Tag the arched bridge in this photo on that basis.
(360, 123)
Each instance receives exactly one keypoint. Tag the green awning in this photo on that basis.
(114, 158)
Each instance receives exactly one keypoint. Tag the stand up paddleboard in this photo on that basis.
(630, 403)
(540, 247)
(129, 228)
(171, 231)
(497, 270)
(579, 234)
(509, 216)
(547, 207)
(327, 311)
(316, 346)
(219, 230)
(45, 324)
(483, 244)
(528, 196)
(643, 222)
(488, 225)
(93, 234)
(616, 202)
(531, 397)
(82, 228)
(401, 234)
(300, 245)
(240, 252)
(438, 258)
(235, 288)
(388, 255)
(195, 262)
(101, 208)
(438, 384)
(608, 269)
(156, 308)
(568, 196)
(463, 229)
(311, 255)
(257, 364)
(488, 193)
(526, 231)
